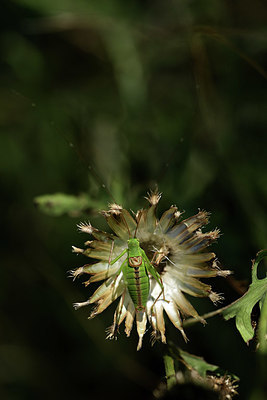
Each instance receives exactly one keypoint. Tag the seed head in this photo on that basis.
(178, 256)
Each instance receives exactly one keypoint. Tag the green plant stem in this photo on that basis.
(262, 330)
(191, 321)
(169, 370)
(259, 392)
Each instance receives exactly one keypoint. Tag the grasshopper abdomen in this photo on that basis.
(136, 276)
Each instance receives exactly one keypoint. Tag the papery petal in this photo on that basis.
(108, 288)
(151, 315)
(200, 241)
(187, 284)
(172, 291)
(126, 217)
(151, 220)
(106, 300)
(103, 275)
(194, 287)
(102, 304)
(166, 221)
(141, 320)
(129, 318)
(174, 316)
(156, 320)
(103, 255)
(188, 226)
(200, 272)
(160, 323)
(118, 227)
(155, 290)
(184, 305)
(141, 221)
(103, 236)
(194, 259)
(119, 316)
(95, 268)
(99, 245)
(122, 312)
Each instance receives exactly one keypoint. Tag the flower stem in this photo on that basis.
(262, 330)
(169, 370)
(191, 321)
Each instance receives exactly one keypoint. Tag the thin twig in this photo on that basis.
(191, 321)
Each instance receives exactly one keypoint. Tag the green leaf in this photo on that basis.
(241, 309)
(197, 363)
(60, 203)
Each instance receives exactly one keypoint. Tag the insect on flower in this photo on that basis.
(150, 264)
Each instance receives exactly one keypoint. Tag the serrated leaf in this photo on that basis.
(60, 203)
(197, 363)
(241, 309)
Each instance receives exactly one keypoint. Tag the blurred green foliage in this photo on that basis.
(109, 99)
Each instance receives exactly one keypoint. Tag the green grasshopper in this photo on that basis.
(135, 271)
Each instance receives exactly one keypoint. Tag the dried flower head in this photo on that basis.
(175, 250)
(225, 385)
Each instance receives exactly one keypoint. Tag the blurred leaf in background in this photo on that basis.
(107, 99)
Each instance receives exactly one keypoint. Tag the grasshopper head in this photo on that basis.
(133, 244)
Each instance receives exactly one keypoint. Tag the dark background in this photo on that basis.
(126, 94)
